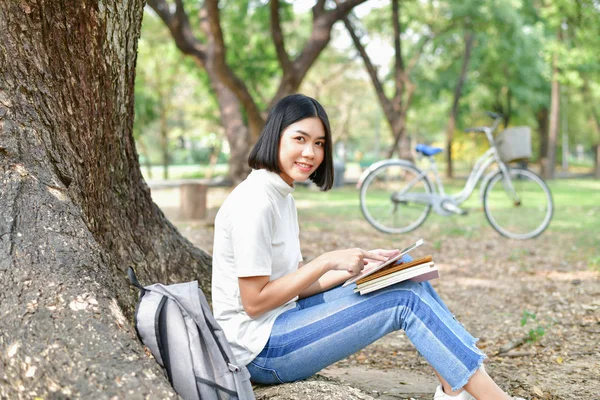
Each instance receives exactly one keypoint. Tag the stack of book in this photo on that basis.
(371, 268)
(419, 270)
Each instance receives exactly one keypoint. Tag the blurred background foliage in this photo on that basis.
(519, 49)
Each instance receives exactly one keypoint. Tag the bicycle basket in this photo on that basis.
(514, 144)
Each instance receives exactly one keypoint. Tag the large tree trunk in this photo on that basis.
(164, 139)
(401, 144)
(596, 146)
(75, 211)
(542, 122)
(597, 161)
(549, 164)
(596, 121)
(454, 110)
(236, 131)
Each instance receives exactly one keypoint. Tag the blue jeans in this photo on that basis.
(332, 325)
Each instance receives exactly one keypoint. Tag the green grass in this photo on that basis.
(182, 171)
(576, 203)
(574, 225)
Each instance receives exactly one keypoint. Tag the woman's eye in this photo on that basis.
(322, 144)
(300, 138)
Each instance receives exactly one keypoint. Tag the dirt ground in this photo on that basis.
(489, 283)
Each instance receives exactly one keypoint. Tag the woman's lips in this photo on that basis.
(304, 167)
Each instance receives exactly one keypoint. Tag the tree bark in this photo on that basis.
(237, 133)
(597, 161)
(542, 122)
(596, 146)
(596, 120)
(454, 110)
(164, 138)
(75, 210)
(549, 166)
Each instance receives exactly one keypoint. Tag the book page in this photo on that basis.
(424, 272)
(368, 270)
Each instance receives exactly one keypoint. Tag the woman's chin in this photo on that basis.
(301, 178)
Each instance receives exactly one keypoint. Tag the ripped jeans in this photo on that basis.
(332, 325)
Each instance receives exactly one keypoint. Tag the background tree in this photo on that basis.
(396, 106)
(339, 82)
(176, 117)
(572, 28)
(241, 113)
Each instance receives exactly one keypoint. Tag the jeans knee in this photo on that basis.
(415, 287)
(413, 291)
(406, 298)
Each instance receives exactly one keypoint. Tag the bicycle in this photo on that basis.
(396, 196)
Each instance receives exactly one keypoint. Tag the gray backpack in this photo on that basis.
(177, 325)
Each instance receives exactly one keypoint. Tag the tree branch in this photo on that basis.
(178, 24)
(212, 27)
(278, 40)
(371, 69)
(318, 9)
(399, 62)
(320, 36)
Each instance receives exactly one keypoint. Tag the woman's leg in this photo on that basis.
(326, 328)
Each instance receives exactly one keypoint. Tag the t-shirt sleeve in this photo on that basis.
(252, 232)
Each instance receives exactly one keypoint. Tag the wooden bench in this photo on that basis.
(192, 194)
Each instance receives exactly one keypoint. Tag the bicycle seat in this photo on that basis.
(427, 150)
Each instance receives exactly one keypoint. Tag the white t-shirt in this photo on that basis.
(256, 234)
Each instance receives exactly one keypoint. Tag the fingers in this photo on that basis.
(390, 253)
(355, 270)
(373, 256)
(386, 252)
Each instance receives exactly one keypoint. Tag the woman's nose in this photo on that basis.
(308, 151)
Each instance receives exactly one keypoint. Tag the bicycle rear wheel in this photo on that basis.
(520, 214)
(393, 197)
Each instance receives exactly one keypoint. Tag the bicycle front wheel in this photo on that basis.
(394, 197)
(520, 207)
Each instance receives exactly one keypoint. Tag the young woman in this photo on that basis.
(285, 320)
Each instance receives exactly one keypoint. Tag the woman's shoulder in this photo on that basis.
(250, 190)
(248, 198)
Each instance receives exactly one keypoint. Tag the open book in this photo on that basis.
(376, 267)
(419, 270)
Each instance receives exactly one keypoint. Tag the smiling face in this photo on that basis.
(301, 150)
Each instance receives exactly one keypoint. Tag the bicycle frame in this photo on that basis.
(490, 157)
(482, 164)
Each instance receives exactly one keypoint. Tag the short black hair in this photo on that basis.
(290, 109)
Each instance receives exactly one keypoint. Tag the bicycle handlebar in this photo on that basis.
(478, 129)
(494, 115)
(497, 117)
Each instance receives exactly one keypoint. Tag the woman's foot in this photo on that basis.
(441, 395)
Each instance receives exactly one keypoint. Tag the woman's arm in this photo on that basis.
(329, 280)
(333, 278)
(260, 295)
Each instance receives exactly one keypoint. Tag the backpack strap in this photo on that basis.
(147, 319)
(133, 279)
(160, 320)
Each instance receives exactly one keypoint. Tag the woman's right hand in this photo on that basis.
(351, 260)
